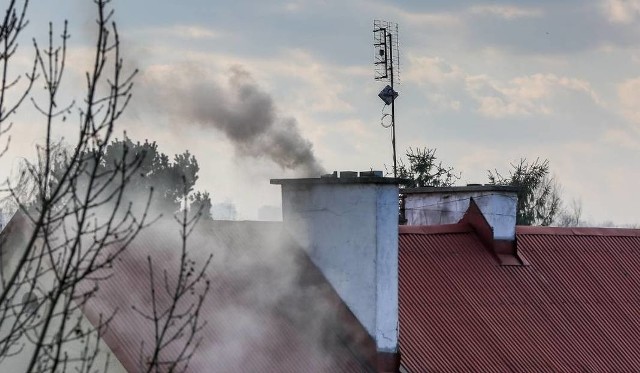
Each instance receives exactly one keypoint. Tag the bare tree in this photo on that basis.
(177, 320)
(12, 25)
(77, 209)
(571, 216)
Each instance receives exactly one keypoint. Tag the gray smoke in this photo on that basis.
(245, 113)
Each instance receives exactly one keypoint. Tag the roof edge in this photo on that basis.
(577, 231)
(339, 180)
(435, 229)
(461, 189)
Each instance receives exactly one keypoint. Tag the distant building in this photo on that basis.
(224, 211)
(270, 213)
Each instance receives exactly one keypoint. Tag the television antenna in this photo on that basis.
(386, 62)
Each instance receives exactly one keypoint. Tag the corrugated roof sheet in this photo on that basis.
(268, 310)
(575, 308)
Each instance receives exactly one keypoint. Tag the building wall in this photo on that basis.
(350, 232)
(387, 268)
(449, 206)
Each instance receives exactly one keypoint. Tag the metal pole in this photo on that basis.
(393, 112)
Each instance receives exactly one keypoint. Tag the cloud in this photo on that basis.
(188, 32)
(440, 19)
(313, 83)
(505, 11)
(622, 11)
(442, 102)
(495, 97)
(432, 70)
(618, 137)
(325, 88)
(525, 95)
(194, 32)
(629, 99)
(528, 28)
(456, 15)
(415, 18)
(443, 81)
(293, 6)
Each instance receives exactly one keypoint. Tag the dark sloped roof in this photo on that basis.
(268, 310)
(574, 308)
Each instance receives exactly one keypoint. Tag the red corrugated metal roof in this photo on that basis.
(269, 309)
(575, 308)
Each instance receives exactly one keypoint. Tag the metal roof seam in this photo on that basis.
(573, 309)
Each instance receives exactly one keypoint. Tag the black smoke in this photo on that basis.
(245, 113)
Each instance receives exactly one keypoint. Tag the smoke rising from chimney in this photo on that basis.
(242, 110)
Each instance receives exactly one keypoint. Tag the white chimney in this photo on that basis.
(349, 227)
(447, 205)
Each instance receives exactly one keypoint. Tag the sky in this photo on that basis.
(485, 83)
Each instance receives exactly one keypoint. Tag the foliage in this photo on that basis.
(172, 181)
(539, 200)
(200, 202)
(423, 169)
(539, 194)
(169, 180)
(75, 215)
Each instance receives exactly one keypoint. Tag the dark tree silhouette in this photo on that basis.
(173, 182)
(424, 169)
(539, 194)
(539, 199)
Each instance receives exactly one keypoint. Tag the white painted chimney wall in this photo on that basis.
(349, 227)
(447, 205)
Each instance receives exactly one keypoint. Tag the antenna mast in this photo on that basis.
(386, 61)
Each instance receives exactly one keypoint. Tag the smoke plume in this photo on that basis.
(241, 110)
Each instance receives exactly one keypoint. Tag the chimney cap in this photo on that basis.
(348, 174)
(462, 189)
(371, 173)
(340, 180)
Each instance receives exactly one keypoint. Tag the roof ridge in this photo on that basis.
(577, 231)
(435, 229)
